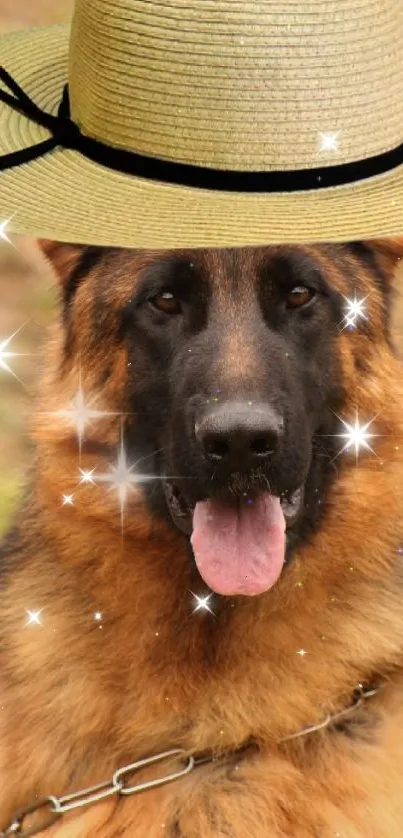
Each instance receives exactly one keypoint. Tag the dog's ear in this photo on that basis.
(389, 252)
(72, 264)
(64, 258)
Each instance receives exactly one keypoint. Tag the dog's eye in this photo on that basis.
(166, 302)
(299, 296)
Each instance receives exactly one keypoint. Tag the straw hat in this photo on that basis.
(205, 123)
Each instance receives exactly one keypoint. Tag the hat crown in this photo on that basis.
(261, 85)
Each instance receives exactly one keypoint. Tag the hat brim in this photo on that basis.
(66, 197)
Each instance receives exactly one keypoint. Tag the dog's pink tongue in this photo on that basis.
(239, 549)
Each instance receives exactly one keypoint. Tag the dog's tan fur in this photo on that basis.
(79, 701)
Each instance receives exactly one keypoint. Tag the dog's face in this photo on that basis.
(232, 368)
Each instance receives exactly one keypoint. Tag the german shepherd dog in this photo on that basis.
(210, 552)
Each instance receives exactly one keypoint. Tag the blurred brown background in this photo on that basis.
(17, 14)
(27, 300)
(28, 304)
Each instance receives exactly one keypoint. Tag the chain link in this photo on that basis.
(361, 693)
(57, 806)
(54, 807)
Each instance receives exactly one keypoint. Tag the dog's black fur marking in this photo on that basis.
(176, 831)
(174, 358)
(367, 255)
(362, 727)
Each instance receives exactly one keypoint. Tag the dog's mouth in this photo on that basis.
(238, 541)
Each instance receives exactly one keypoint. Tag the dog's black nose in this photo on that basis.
(239, 435)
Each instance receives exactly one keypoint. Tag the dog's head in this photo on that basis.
(237, 373)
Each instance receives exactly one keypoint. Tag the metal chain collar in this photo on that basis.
(54, 807)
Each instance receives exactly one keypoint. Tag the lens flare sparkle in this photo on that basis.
(328, 141)
(6, 354)
(356, 436)
(82, 413)
(355, 310)
(86, 476)
(33, 617)
(3, 234)
(202, 603)
(122, 479)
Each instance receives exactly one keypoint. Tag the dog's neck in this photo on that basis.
(153, 656)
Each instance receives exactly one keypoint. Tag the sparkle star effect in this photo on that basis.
(86, 476)
(67, 500)
(33, 617)
(202, 603)
(82, 414)
(302, 653)
(98, 616)
(122, 479)
(329, 141)
(6, 354)
(355, 310)
(356, 436)
(3, 234)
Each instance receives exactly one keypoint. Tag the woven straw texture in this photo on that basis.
(245, 85)
(219, 83)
